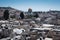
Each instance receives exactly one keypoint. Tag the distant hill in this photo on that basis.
(7, 8)
(12, 11)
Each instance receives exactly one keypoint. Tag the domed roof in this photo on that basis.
(30, 10)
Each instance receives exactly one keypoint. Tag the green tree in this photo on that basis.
(22, 15)
(36, 15)
(6, 14)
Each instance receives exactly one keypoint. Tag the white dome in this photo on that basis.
(17, 31)
(38, 19)
(32, 22)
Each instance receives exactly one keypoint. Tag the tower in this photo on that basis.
(29, 10)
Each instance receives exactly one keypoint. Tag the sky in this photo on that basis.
(35, 5)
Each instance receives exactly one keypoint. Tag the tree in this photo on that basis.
(6, 14)
(22, 15)
(36, 15)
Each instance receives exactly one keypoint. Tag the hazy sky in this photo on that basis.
(36, 5)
